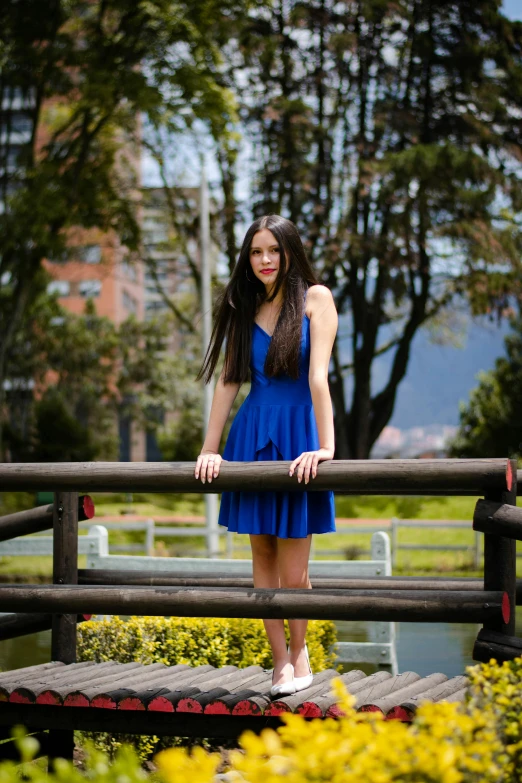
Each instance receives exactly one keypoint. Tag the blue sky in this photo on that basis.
(512, 8)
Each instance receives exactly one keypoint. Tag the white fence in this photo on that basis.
(151, 530)
(379, 650)
(476, 548)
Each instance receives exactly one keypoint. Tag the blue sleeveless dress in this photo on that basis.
(276, 422)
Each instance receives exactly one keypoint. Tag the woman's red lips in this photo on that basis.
(264, 271)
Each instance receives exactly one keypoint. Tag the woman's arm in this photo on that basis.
(224, 396)
(323, 328)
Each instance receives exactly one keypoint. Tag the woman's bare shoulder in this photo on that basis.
(318, 296)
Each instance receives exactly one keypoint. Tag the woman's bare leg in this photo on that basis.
(293, 555)
(266, 574)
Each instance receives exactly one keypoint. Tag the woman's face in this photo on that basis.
(265, 257)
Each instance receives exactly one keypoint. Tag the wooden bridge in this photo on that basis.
(63, 695)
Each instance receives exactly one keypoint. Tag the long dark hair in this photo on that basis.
(236, 307)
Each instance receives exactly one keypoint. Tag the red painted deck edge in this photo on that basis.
(334, 712)
(189, 705)
(103, 703)
(216, 708)
(131, 703)
(276, 708)
(160, 704)
(19, 698)
(309, 709)
(246, 707)
(399, 713)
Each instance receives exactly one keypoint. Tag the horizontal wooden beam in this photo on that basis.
(183, 724)
(34, 520)
(94, 576)
(14, 624)
(490, 644)
(372, 477)
(392, 605)
(500, 519)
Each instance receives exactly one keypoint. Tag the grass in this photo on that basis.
(364, 507)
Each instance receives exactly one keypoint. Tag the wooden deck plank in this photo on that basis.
(320, 684)
(458, 695)
(406, 710)
(386, 703)
(27, 671)
(30, 688)
(177, 687)
(315, 704)
(113, 693)
(210, 692)
(81, 696)
(14, 677)
(58, 693)
(242, 701)
(150, 674)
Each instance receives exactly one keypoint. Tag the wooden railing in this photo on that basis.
(493, 604)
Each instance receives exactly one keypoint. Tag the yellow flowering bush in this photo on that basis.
(497, 689)
(445, 744)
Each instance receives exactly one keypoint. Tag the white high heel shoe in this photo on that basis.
(304, 682)
(285, 689)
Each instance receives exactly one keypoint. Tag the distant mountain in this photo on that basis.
(439, 377)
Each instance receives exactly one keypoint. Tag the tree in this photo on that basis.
(75, 78)
(490, 423)
(389, 133)
(76, 374)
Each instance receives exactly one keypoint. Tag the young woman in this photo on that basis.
(280, 326)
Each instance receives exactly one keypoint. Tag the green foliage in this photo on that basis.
(194, 641)
(490, 423)
(97, 370)
(59, 435)
(124, 766)
(86, 73)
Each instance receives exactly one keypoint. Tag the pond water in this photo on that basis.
(424, 648)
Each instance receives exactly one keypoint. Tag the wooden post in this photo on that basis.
(65, 572)
(500, 559)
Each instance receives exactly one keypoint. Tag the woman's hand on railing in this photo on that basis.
(207, 464)
(306, 463)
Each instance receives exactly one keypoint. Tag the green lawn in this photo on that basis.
(345, 506)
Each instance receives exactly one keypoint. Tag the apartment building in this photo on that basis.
(95, 265)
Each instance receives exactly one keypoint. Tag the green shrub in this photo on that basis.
(194, 641)
(191, 640)
(125, 767)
